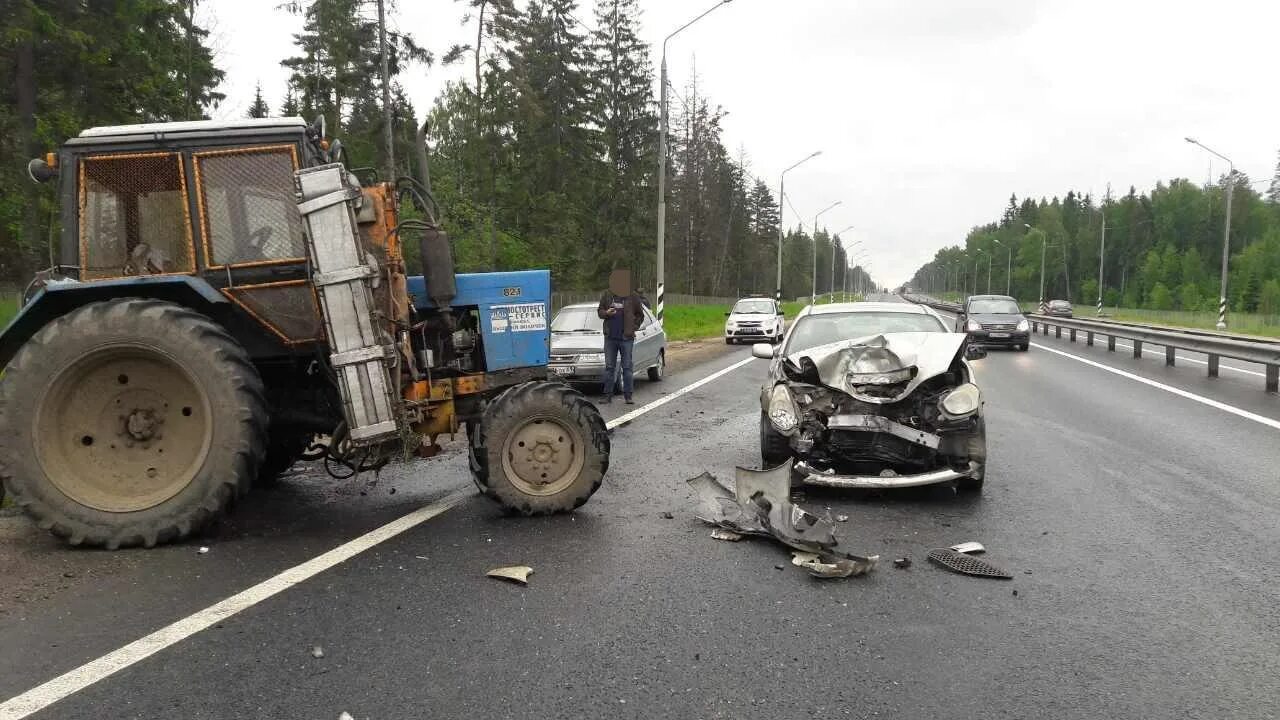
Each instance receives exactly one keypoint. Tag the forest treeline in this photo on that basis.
(1163, 248)
(544, 154)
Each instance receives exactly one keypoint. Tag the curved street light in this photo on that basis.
(1226, 232)
(782, 187)
(813, 292)
(660, 280)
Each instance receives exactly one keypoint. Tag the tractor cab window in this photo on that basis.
(133, 216)
(248, 211)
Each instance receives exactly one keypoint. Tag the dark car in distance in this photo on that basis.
(1059, 308)
(994, 320)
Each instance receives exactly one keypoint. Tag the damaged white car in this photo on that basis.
(873, 395)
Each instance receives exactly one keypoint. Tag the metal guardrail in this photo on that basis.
(1214, 345)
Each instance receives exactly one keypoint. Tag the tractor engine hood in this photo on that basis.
(879, 369)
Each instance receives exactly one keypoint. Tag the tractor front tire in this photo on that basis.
(130, 422)
(540, 448)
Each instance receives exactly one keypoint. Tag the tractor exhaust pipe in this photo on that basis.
(438, 270)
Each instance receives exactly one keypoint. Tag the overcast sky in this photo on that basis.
(929, 113)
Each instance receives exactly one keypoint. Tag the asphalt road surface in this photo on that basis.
(1139, 523)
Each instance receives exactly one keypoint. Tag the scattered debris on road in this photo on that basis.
(667, 516)
(722, 534)
(969, 548)
(204, 550)
(760, 504)
(345, 716)
(514, 573)
(902, 563)
(966, 564)
(825, 565)
(842, 518)
(317, 652)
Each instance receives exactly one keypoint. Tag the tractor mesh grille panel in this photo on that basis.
(248, 210)
(289, 308)
(133, 216)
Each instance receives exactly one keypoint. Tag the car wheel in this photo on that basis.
(655, 372)
(774, 448)
(1024, 347)
(728, 341)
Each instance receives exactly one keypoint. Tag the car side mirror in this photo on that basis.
(974, 352)
(764, 351)
(728, 314)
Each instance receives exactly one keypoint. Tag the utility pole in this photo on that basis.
(661, 249)
(782, 189)
(1043, 238)
(1226, 234)
(813, 292)
(388, 136)
(1102, 254)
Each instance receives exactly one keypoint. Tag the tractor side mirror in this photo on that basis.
(335, 151)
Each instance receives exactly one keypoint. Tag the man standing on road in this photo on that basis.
(621, 310)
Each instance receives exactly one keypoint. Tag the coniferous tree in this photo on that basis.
(258, 109)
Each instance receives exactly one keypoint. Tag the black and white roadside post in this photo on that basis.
(1102, 254)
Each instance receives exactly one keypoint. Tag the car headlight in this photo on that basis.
(591, 359)
(731, 324)
(1024, 325)
(782, 410)
(973, 326)
(962, 401)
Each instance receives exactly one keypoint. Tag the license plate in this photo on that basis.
(562, 369)
(999, 335)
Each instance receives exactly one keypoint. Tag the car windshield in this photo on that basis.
(576, 319)
(754, 307)
(814, 330)
(996, 306)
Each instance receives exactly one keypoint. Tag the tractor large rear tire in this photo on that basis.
(129, 422)
(283, 452)
(540, 448)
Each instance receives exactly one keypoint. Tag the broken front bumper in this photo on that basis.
(813, 476)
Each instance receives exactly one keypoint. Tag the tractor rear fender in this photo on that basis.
(56, 300)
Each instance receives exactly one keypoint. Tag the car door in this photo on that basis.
(645, 352)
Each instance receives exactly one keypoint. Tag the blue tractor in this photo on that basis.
(231, 299)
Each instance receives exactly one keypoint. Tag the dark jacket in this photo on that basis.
(632, 314)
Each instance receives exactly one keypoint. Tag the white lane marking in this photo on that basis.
(1269, 422)
(43, 696)
(668, 398)
(46, 694)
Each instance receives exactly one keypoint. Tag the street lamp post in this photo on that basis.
(1226, 233)
(1043, 238)
(813, 292)
(782, 189)
(659, 281)
(977, 257)
(1102, 254)
(833, 256)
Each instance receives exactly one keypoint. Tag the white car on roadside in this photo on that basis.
(754, 319)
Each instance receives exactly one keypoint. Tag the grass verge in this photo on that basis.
(8, 308)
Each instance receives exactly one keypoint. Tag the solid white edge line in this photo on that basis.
(42, 696)
(623, 419)
(69, 683)
(1263, 420)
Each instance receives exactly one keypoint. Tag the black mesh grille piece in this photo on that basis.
(290, 309)
(133, 216)
(966, 564)
(247, 203)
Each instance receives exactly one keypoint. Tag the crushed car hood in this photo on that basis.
(930, 353)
